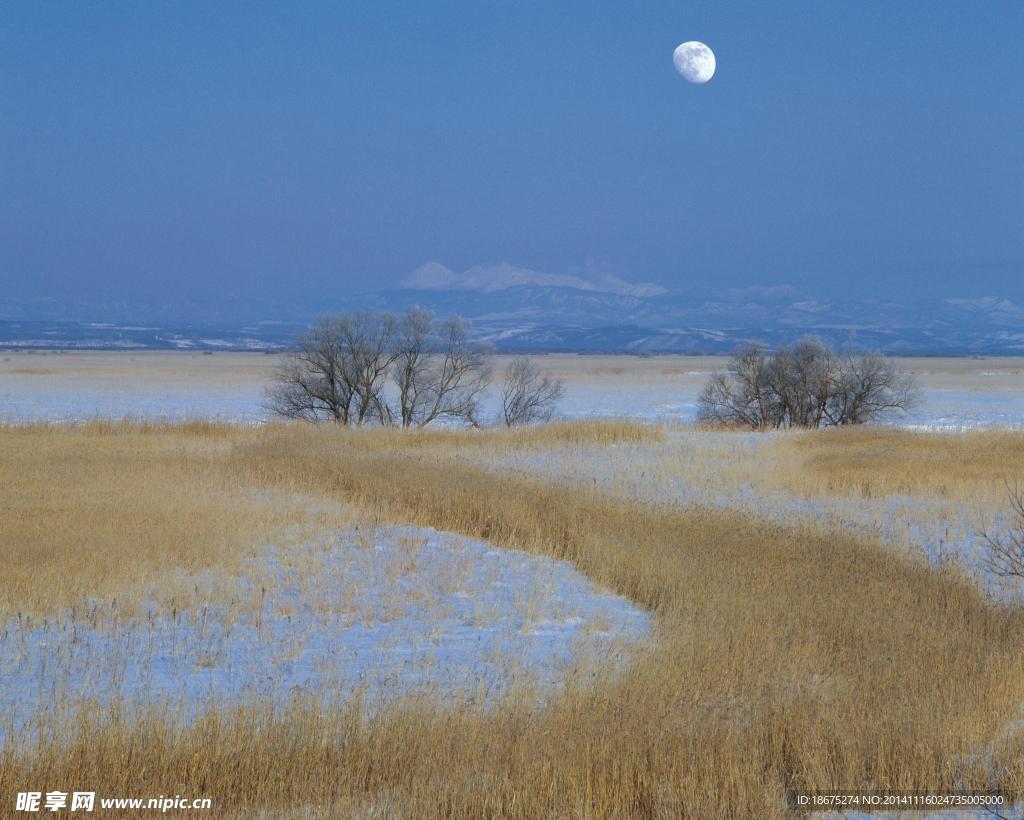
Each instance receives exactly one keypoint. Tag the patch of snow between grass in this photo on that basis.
(381, 612)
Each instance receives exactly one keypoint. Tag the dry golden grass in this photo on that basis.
(29, 371)
(783, 658)
(498, 440)
(879, 462)
(107, 509)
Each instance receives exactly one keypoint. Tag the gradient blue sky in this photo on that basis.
(171, 149)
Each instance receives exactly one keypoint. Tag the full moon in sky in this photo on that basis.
(695, 61)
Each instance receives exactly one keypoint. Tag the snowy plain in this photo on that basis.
(382, 613)
(227, 386)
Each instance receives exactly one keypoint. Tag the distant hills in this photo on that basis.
(521, 310)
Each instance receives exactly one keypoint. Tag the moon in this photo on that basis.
(695, 61)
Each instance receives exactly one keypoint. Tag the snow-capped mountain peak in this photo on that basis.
(492, 277)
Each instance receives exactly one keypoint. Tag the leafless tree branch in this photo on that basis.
(528, 395)
(440, 372)
(1005, 554)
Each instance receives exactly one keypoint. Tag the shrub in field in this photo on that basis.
(807, 385)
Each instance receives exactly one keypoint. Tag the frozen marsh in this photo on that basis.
(381, 613)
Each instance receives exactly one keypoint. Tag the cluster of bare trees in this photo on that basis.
(806, 385)
(408, 371)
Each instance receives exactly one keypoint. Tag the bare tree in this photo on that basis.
(368, 345)
(410, 372)
(868, 386)
(1005, 554)
(440, 372)
(528, 395)
(461, 377)
(314, 383)
(806, 385)
(337, 373)
(742, 394)
(801, 378)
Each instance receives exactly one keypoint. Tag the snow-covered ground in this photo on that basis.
(1000, 406)
(77, 386)
(385, 612)
(72, 386)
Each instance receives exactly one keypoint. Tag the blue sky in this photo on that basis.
(166, 150)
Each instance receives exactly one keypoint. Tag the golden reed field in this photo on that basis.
(784, 656)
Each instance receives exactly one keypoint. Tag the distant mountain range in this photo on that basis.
(521, 310)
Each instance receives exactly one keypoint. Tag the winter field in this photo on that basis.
(959, 394)
(615, 615)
